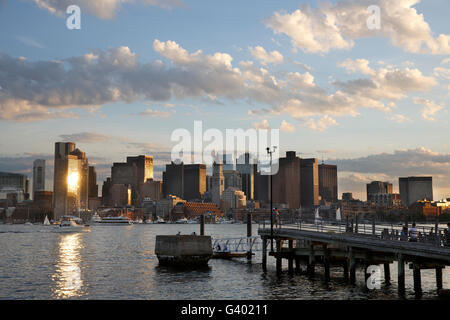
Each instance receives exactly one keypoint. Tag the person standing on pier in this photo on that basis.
(413, 233)
(404, 234)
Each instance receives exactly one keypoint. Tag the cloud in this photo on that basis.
(399, 118)
(30, 42)
(286, 127)
(265, 57)
(429, 109)
(358, 65)
(156, 113)
(264, 124)
(322, 124)
(443, 73)
(86, 137)
(103, 9)
(336, 26)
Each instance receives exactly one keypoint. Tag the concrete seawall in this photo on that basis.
(183, 250)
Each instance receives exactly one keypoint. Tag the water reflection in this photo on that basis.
(68, 273)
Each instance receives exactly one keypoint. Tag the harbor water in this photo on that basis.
(118, 262)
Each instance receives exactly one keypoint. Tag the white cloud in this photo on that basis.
(264, 124)
(265, 57)
(322, 124)
(358, 65)
(157, 113)
(103, 9)
(336, 26)
(443, 73)
(429, 108)
(399, 118)
(287, 127)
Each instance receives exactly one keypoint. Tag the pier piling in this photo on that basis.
(387, 274)
(417, 280)
(352, 266)
(291, 259)
(249, 234)
(401, 274)
(264, 254)
(439, 278)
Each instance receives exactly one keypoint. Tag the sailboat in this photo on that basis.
(338, 214)
(46, 222)
(316, 216)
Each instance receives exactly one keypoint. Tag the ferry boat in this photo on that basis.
(70, 224)
(121, 220)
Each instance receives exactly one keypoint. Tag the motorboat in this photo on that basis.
(148, 221)
(159, 220)
(28, 223)
(138, 221)
(182, 221)
(121, 220)
(96, 218)
(192, 221)
(70, 224)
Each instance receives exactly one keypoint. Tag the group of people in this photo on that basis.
(221, 249)
(413, 234)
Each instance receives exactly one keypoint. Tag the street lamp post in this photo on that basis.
(270, 152)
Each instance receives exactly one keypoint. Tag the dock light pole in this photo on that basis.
(270, 152)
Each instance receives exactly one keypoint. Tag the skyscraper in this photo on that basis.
(378, 187)
(38, 176)
(309, 182)
(187, 181)
(93, 187)
(413, 189)
(286, 184)
(70, 179)
(217, 183)
(328, 182)
(247, 170)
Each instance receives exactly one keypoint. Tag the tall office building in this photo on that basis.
(378, 187)
(135, 172)
(328, 182)
(70, 179)
(309, 182)
(413, 189)
(14, 180)
(93, 186)
(185, 181)
(217, 183)
(247, 170)
(38, 176)
(286, 184)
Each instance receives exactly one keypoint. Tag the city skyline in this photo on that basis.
(373, 103)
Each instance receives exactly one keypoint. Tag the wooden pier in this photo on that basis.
(350, 250)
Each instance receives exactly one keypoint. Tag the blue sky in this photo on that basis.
(384, 96)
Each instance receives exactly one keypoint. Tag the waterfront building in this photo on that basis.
(247, 170)
(187, 181)
(286, 184)
(217, 183)
(413, 189)
(38, 176)
(70, 179)
(309, 182)
(16, 181)
(328, 183)
(377, 187)
(233, 198)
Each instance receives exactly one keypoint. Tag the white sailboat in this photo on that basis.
(46, 221)
(338, 214)
(317, 217)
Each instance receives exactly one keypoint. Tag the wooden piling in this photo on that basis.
(439, 278)
(312, 261)
(297, 265)
(278, 258)
(387, 274)
(401, 274)
(291, 259)
(352, 266)
(264, 254)
(417, 280)
(249, 233)
(202, 225)
(346, 270)
(326, 262)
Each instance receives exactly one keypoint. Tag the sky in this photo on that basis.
(374, 101)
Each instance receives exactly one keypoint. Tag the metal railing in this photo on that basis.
(243, 244)
(425, 233)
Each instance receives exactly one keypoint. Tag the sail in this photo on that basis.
(316, 216)
(46, 222)
(338, 214)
